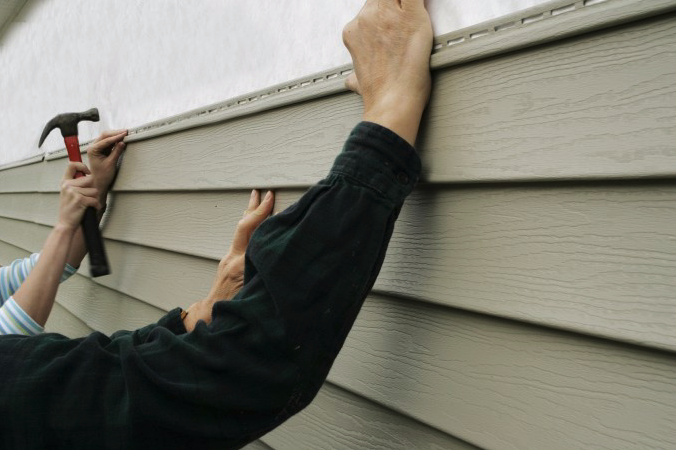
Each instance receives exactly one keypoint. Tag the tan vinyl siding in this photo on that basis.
(527, 299)
(64, 322)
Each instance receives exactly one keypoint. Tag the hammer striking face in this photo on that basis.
(67, 123)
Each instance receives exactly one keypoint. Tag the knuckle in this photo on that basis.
(348, 32)
(243, 223)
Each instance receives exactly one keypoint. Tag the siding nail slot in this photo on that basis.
(563, 9)
(505, 26)
(532, 19)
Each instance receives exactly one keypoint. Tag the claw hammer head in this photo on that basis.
(67, 123)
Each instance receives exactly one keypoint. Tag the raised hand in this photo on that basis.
(390, 42)
(103, 154)
(230, 273)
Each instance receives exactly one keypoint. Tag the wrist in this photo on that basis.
(65, 228)
(401, 119)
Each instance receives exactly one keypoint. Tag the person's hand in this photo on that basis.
(230, 273)
(76, 195)
(103, 154)
(390, 42)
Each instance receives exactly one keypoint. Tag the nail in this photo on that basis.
(268, 196)
(253, 194)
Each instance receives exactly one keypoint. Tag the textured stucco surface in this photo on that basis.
(141, 60)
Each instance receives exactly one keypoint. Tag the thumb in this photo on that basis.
(352, 83)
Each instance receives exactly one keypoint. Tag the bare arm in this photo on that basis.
(36, 295)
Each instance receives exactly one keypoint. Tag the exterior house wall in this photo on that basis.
(528, 297)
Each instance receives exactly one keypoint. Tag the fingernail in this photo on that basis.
(268, 196)
(253, 194)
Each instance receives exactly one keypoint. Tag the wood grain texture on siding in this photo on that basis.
(64, 322)
(28, 236)
(340, 420)
(503, 384)
(26, 178)
(578, 257)
(104, 309)
(596, 106)
(162, 279)
(30, 206)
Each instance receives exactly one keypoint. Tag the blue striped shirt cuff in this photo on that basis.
(14, 320)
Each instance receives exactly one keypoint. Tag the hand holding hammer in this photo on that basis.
(68, 123)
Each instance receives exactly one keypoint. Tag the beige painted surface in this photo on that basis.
(340, 420)
(504, 384)
(510, 315)
(579, 257)
(64, 322)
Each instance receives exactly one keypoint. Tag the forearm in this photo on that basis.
(36, 295)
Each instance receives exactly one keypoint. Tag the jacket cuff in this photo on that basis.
(172, 321)
(379, 158)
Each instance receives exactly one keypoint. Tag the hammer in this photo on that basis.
(67, 123)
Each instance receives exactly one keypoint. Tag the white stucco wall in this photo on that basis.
(141, 60)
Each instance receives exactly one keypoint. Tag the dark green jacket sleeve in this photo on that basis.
(265, 354)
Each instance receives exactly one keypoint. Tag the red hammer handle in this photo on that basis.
(98, 263)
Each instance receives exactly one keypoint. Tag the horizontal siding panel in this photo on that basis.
(340, 420)
(25, 235)
(161, 278)
(502, 384)
(597, 106)
(26, 178)
(198, 223)
(64, 322)
(600, 259)
(578, 257)
(35, 177)
(104, 309)
(30, 206)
